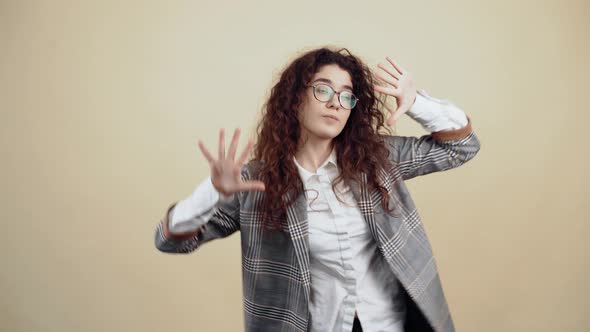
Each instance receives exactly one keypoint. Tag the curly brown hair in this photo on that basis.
(359, 147)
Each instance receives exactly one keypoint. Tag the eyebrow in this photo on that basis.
(325, 80)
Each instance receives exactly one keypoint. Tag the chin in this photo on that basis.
(327, 134)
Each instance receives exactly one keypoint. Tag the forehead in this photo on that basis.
(334, 73)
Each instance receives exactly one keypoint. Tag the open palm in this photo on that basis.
(401, 85)
(225, 170)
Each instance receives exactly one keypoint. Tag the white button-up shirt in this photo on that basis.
(348, 273)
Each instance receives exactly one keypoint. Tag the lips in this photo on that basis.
(331, 117)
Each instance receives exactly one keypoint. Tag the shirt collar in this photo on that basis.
(330, 162)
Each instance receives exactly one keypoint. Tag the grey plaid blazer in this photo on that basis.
(275, 265)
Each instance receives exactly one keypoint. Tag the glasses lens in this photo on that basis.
(323, 92)
(347, 100)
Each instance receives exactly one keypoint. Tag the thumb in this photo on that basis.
(252, 186)
(393, 118)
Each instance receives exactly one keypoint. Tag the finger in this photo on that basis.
(388, 70)
(205, 152)
(237, 170)
(221, 152)
(387, 79)
(386, 90)
(395, 115)
(252, 186)
(395, 65)
(244, 156)
(231, 154)
(392, 118)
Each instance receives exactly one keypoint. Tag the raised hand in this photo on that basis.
(225, 171)
(400, 85)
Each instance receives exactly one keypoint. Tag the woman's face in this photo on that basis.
(325, 120)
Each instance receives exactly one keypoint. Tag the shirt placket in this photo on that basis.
(346, 251)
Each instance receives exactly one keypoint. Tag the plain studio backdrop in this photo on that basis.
(102, 104)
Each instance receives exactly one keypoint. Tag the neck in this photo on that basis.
(313, 153)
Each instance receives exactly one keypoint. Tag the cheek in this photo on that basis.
(304, 113)
(309, 112)
(306, 119)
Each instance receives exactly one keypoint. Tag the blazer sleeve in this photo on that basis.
(224, 222)
(437, 151)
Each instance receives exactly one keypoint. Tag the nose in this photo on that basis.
(334, 102)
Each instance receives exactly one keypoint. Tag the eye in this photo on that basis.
(346, 96)
(323, 89)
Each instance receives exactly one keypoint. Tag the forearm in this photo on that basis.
(196, 210)
(182, 229)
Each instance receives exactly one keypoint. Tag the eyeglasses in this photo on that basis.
(324, 93)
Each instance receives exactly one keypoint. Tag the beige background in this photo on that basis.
(102, 104)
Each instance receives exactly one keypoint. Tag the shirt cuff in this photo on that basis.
(196, 210)
(436, 114)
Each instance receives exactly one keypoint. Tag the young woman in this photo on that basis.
(331, 240)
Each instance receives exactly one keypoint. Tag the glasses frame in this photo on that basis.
(332, 96)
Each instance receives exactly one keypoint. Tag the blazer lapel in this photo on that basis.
(365, 202)
(298, 230)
